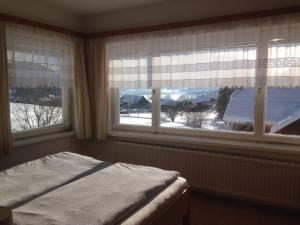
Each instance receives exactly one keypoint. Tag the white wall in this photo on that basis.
(175, 11)
(35, 151)
(41, 12)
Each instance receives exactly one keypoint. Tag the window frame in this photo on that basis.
(258, 134)
(46, 54)
(116, 125)
(113, 122)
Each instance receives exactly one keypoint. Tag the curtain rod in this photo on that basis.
(41, 25)
(204, 21)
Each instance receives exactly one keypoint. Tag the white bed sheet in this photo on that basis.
(73, 168)
(27, 181)
(103, 197)
(152, 208)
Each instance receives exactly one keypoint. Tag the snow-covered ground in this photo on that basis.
(26, 116)
(20, 113)
(145, 119)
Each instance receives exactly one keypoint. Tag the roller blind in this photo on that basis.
(38, 57)
(242, 53)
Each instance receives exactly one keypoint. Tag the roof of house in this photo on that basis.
(132, 99)
(281, 104)
(287, 121)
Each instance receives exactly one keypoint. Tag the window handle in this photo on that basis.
(259, 91)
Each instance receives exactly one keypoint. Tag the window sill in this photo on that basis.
(43, 138)
(280, 152)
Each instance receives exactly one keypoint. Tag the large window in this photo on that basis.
(40, 67)
(227, 81)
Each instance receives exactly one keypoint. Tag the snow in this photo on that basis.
(145, 119)
(281, 103)
(19, 111)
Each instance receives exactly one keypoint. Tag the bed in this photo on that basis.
(68, 188)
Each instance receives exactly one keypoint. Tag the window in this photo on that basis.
(136, 107)
(236, 81)
(40, 68)
(282, 98)
(208, 108)
(35, 107)
(283, 111)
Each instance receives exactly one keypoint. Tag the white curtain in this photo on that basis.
(284, 63)
(38, 57)
(242, 53)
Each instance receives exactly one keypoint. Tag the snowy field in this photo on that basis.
(145, 119)
(28, 116)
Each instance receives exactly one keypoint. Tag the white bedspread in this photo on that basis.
(103, 195)
(22, 183)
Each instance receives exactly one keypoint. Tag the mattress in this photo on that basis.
(67, 188)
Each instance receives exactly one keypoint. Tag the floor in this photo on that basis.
(211, 210)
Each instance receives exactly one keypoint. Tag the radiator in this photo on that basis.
(257, 179)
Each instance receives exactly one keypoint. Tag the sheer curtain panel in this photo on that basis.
(39, 57)
(231, 54)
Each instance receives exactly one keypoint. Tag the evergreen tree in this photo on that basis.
(223, 100)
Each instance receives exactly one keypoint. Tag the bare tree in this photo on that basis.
(172, 112)
(195, 119)
(26, 116)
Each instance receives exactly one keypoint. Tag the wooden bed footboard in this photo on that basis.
(177, 212)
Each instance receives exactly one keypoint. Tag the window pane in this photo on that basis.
(228, 108)
(282, 98)
(35, 107)
(283, 111)
(136, 107)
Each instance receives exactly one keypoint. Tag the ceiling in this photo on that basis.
(105, 15)
(88, 7)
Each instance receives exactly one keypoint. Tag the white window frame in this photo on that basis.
(114, 122)
(258, 134)
(115, 112)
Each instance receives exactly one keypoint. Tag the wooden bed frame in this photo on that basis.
(178, 210)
